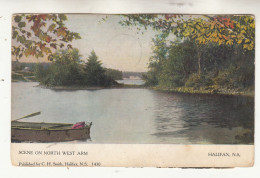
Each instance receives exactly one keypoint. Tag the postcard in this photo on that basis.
(132, 90)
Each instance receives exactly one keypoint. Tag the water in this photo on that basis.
(141, 115)
(131, 82)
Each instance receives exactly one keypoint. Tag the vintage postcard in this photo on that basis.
(133, 90)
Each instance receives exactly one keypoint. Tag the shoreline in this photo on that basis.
(76, 87)
(179, 90)
(192, 91)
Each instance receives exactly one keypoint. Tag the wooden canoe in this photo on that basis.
(47, 132)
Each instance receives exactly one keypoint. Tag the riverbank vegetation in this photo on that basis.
(46, 35)
(67, 69)
(200, 54)
(224, 69)
(191, 53)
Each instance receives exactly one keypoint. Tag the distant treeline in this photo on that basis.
(114, 74)
(17, 66)
(67, 69)
(135, 74)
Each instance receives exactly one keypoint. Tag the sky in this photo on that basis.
(116, 46)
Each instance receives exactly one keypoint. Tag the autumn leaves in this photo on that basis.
(40, 34)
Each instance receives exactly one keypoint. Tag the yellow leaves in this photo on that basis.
(44, 37)
(239, 41)
(220, 30)
(246, 19)
(61, 32)
(186, 33)
(30, 51)
(225, 37)
(249, 46)
(198, 27)
(202, 30)
(201, 40)
(46, 50)
(245, 46)
(252, 25)
(51, 27)
(244, 27)
(229, 42)
(214, 35)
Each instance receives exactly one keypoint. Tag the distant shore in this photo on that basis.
(181, 90)
(78, 87)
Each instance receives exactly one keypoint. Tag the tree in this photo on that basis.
(40, 34)
(179, 65)
(94, 72)
(220, 29)
(160, 50)
(65, 69)
(203, 29)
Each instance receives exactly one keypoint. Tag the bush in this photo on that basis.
(198, 81)
(193, 81)
(230, 78)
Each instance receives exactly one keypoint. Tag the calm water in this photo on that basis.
(141, 115)
(131, 82)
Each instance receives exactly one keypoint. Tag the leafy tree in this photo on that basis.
(203, 29)
(221, 29)
(65, 69)
(160, 50)
(179, 65)
(40, 34)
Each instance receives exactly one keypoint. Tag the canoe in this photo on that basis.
(47, 132)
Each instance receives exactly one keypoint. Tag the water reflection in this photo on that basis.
(204, 119)
(141, 115)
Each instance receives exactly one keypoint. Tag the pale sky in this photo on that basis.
(117, 46)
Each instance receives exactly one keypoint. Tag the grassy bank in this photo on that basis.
(208, 90)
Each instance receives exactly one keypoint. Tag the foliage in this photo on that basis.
(156, 60)
(65, 69)
(220, 29)
(222, 67)
(68, 69)
(204, 30)
(179, 64)
(94, 72)
(114, 74)
(212, 51)
(39, 34)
